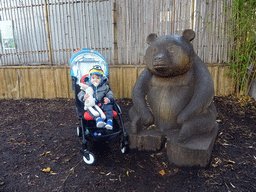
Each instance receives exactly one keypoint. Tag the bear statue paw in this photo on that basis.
(147, 120)
(184, 134)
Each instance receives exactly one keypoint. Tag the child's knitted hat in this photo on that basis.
(96, 70)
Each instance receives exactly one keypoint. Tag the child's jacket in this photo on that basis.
(100, 92)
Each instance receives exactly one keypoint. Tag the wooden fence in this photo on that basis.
(55, 82)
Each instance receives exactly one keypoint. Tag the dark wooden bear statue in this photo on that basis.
(175, 91)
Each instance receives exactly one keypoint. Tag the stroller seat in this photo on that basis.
(86, 115)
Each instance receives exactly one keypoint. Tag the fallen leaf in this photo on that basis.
(232, 185)
(127, 173)
(47, 170)
(51, 173)
(231, 162)
(47, 152)
(162, 172)
(67, 160)
(102, 173)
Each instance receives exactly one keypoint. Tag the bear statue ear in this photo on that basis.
(189, 34)
(151, 38)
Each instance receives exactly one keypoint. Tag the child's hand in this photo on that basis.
(106, 100)
(86, 96)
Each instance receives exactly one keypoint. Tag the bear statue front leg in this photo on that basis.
(140, 114)
(139, 122)
(200, 124)
(136, 125)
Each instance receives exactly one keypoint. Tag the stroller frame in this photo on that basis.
(87, 129)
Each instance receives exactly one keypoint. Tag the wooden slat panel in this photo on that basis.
(129, 79)
(62, 84)
(115, 80)
(36, 83)
(48, 83)
(140, 69)
(71, 93)
(214, 73)
(53, 82)
(226, 86)
(11, 83)
(7, 83)
(4, 84)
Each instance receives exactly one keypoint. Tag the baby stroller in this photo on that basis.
(80, 64)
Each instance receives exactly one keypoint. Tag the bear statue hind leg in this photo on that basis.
(198, 125)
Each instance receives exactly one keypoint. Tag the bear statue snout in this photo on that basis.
(159, 58)
(159, 62)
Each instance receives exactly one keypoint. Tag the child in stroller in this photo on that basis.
(86, 62)
(102, 94)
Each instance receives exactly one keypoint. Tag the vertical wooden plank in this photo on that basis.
(3, 87)
(214, 73)
(61, 83)
(71, 93)
(15, 83)
(222, 84)
(225, 83)
(25, 85)
(8, 81)
(48, 83)
(129, 79)
(139, 71)
(116, 81)
(36, 83)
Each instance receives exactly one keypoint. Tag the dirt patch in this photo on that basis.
(36, 134)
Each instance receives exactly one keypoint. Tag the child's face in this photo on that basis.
(95, 80)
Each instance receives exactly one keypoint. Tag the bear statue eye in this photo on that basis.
(154, 50)
(171, 49)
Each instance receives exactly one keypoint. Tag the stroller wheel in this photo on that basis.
(124, 149)
(89, 158)
(79, 131)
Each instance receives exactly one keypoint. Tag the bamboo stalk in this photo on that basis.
(85, 26)
(27, 29)
(48, 32)
(108, 37)
(36, 42)
(10, 19)
(115, 52)
(71, 34)
(88, 28)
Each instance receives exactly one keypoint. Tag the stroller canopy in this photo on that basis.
(83, 60)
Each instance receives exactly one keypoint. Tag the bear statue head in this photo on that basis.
(170, 55)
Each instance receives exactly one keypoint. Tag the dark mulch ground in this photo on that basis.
(36, 134)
